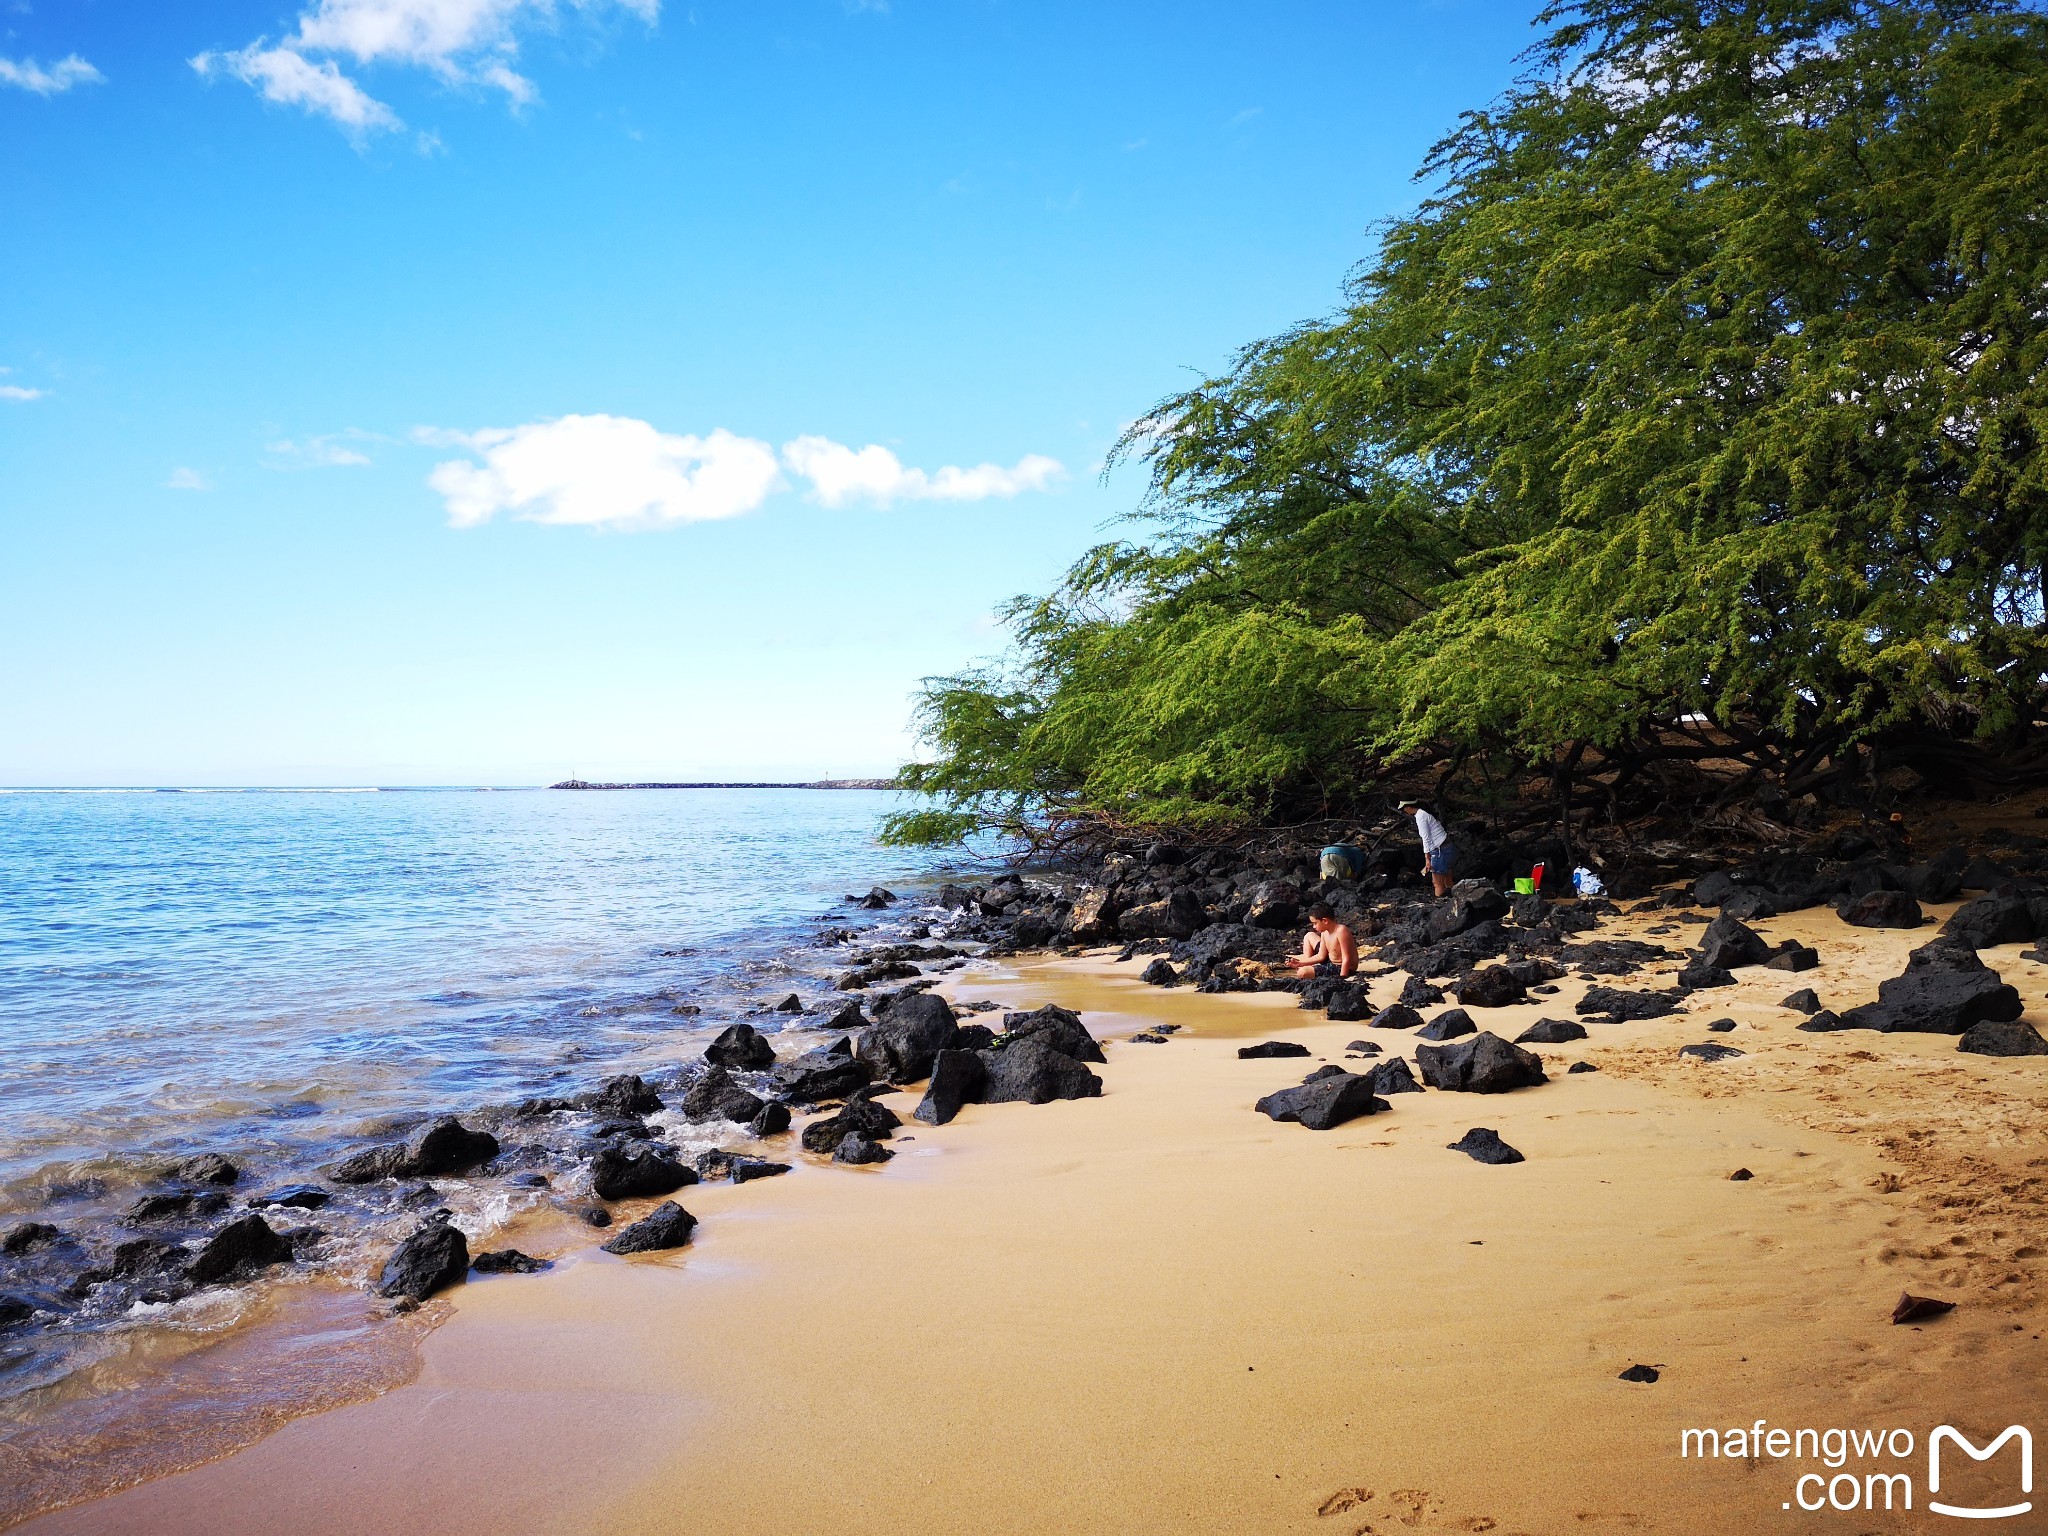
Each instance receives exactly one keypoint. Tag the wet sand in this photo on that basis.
(1159, 1311)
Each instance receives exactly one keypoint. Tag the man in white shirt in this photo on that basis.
(1438, 852)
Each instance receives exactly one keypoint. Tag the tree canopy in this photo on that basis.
(1702, 397)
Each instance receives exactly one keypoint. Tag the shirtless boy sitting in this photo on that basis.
(1326, 949)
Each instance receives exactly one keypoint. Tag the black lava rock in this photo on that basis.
(1052, 1025)
(958, 1077)
(715, 1096)
(1644, 1373)
(1485, 1146)
(1710, 1051)
(447, 1146)
(743, 1048)
(1551, 1032)
(1580, 1066)
(668, 1225)
(2003, 1037)
(1364, 1047)
(1620, 1006)
(433, 1258)
(1944, 989)
(1418, 993)
(1799, 957)
(1448, 1025)
(1493, 986)
(507, 1261)
(302, 1197)
(1270, 1048)
(904, 1038)
(1327, 1099)
(1393, 1076)
(28, 1237)
(242, 1248)
(1160, 973)
(1991, 921)
(1029, 1071)
(1823, 1022)
(1398, 1016)
(207, 1168)
(633, 1172)
(856, 1148)
(626, 1094)
(747, 1169)
(1881, 909)
(772, 1121)
(1485, 1063)
(1805, 1000)
(1699, 975)
(876, 1121)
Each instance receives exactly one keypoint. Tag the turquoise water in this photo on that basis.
(271, 973)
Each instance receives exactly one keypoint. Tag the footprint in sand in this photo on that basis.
(1404, 1507)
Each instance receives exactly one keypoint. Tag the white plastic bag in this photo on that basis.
(1586, 883)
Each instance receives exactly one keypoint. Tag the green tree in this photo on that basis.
(1708, 384)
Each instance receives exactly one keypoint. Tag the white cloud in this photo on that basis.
(293, 80)
(464, 42)
(324, 452)
(619, 472)
(183, 479)
(839, 475)
(19, 392)
(59, 77)
(604, 471)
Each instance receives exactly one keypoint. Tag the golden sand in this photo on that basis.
(1158, 1311)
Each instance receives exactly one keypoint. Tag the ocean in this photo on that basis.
(282, 976)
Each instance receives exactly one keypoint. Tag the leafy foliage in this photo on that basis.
(1710, 381)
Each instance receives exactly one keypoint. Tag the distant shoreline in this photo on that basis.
(814, 784)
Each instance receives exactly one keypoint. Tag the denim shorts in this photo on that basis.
(1441, 858)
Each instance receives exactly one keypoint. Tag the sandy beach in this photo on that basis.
(1160, 1311)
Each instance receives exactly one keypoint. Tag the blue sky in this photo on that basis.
(481, 391)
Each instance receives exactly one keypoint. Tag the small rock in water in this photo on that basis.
(303, 1197)
(28, 1236)
(420, 1197)
(1270, 1048)
(433, 1258)
(448, 1146)
(1640, 1373)
(1484, 1145)
(1709, 1051)
(1917, 1309)
(742, 1048)
(239, 1250)
(790, 1004)
(15, 1310)
(176, 1202)
(207, 1168)
(626, 1094)
(746, 1169)
(596, 1215)
(668, 1225)
(772, 1121)
(527, 1180)
(1146, 1037)
(856, 1148)
(507, 1261)
(634, 1172)
(1741, 1176)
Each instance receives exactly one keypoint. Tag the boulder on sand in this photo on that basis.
(1483, 1145)
(1881, 909)
(1551, 1032)
(1448, 1025)
(1160, 973)
(434, 1257)
(1270, 1048)
(1418, 993)
(876, 1121)
(1396, 1016)
(1991, 921)
(1731, 943)
(1620, 1006)
(856, 1148)
(2003, 1037)
(830, 1072)
(1492, 986)
(743, 1048)
(668, 1225)
(1327, 1099)
(1700, 975)
(1177, 917)
(1095, 914)
(1805, 1000)
(1710, 1051)
(1060, 1028)
(958, 1077)
(1393, 1076)
(1485, 1063)
(1794, 957)
(1944, 990)
(906, 1035)
(1030, 1071)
